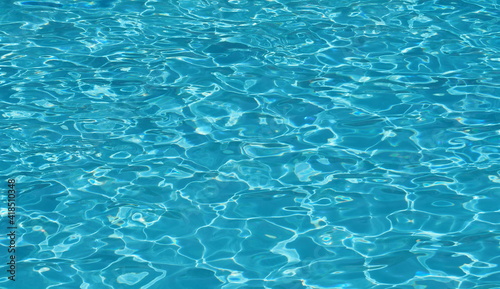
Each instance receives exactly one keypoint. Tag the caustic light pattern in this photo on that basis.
(253, 144)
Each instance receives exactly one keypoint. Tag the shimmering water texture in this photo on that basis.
(253, 144)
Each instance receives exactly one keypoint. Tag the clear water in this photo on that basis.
(252, 144)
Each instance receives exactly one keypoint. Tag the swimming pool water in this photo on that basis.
(252, 143)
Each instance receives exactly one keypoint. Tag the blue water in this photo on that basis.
(250, 144)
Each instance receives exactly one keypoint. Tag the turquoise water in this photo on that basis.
(252, 144)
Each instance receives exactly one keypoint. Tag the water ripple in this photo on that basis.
(253, 144)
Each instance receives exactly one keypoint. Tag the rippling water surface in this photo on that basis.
(253, 144)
